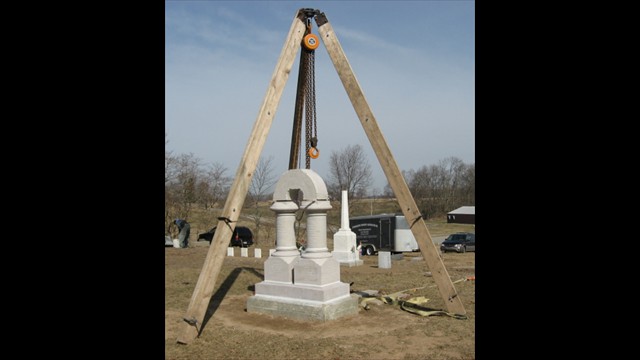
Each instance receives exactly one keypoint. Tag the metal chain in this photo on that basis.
(295, 156)
(312, 80)
(309, 102)
(307, 93)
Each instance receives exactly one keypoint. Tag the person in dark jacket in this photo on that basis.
(183, 235)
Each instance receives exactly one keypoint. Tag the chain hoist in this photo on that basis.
(306, 101)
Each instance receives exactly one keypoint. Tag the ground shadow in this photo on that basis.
(260, 275)
(219, 295)
(256, 272)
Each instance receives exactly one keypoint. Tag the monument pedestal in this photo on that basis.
(307, 286)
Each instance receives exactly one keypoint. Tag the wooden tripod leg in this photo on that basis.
(213, 262)
(390, 167)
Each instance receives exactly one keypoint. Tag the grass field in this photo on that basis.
(381, 332)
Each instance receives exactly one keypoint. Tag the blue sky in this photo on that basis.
(414, 60)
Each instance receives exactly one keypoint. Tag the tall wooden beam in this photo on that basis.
(408, 205)
(235, 200)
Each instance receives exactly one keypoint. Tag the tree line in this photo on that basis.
(190, 182)
(443, 187)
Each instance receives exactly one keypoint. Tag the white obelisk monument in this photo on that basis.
(345, 248)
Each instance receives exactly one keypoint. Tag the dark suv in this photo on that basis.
(242, 236)
(459, 242)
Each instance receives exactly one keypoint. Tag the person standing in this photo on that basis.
(184, 229)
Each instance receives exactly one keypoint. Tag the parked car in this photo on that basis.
(459, 242)
(242, 236)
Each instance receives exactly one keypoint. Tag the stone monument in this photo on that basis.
(345, 247)
(303, 286)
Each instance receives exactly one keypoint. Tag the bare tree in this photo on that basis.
(169, 176)
(454, 168)
(262, 181)
(441, 188)
(213, 185)
(350, 171)
(468, 187)
(169, 163)
(181, 189)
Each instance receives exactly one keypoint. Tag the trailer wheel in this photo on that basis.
(369, 250)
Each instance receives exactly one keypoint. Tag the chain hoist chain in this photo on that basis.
(310, 105)
(307, 112)
(297, 136)
(307, 93)
(312, 80)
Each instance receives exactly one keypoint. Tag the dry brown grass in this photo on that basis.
(383, 332)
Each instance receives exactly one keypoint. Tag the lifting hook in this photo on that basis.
(314, 153)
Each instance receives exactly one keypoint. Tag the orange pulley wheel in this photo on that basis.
(311, 42)
(314, 153)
